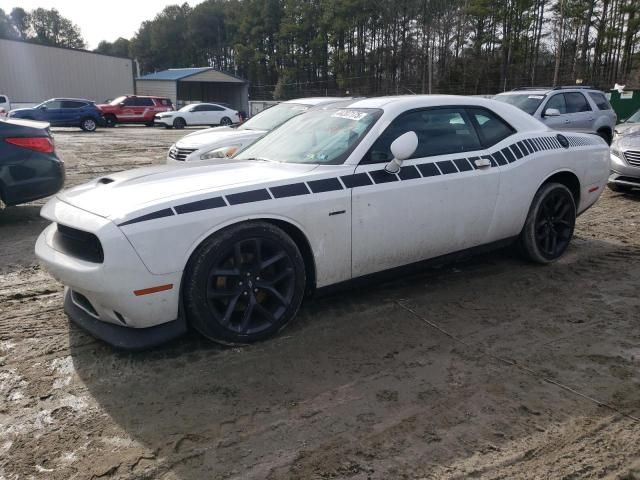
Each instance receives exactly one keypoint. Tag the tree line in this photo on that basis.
(40, 25)
(289, 48)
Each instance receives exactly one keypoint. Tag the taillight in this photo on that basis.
(38, 144)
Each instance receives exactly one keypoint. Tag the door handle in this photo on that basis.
(482, 162)
(567, 121)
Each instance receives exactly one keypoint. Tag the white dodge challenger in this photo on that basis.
(231, 248)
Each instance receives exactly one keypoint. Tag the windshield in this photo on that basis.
(118, 101)
(527, 102)
(321, 137)
(635, 118)
(273, 117)
(187, 108)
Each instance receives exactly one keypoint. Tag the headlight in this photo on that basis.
(224, 152)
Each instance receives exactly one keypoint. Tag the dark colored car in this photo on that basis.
(29, 167)
(134, 109)
(64, 112)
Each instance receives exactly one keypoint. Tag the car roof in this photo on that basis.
(546, 90)
(71, 99)
(315, 100)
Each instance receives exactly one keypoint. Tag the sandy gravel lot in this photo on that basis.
(491, 368)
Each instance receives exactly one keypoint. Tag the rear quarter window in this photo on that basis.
(600, 100)
(491, 128)
(3, 99)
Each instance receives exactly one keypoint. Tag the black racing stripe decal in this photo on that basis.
(515, 148)
(508, 155)
(380, 176)
(409, 173)
(207, 204)
(463, 165)
(248, 197)
(292, 190)
(503, 157)
(166, 212)
(500, 158)
(428, 169)
(447, 167)
(325, 185)
(356, 180)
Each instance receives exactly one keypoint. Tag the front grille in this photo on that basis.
(180, 154)
(79, 244)
(633, 157)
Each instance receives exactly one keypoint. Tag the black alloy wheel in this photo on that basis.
(225, 121)
(245, 284)
(550, 224)
(179, 123)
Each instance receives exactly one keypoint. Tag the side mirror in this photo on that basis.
(43, 107)
(402, 148)
(551, 112)
(121, 104)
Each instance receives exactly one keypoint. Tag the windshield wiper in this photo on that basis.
(259, 159)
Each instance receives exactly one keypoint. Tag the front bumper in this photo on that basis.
(108, 288)
(163, 121)
(624, 174)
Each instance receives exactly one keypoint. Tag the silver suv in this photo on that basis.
(577, 109)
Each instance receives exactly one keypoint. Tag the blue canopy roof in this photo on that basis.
(174, 73)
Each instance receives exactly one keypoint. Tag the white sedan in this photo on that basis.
(231, 248)
(198, 114)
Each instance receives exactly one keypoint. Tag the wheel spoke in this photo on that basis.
(213, 293)
(248, 312)
(237, 255)
(258, 252)
(547, 242)
(270, 261)
(564, 211)
(229, 311)
(270, 317)
(287, 272)
(554, 242)
(271, 289)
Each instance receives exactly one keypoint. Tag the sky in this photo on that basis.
(102, 20)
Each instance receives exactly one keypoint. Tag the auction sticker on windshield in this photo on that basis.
(350, 114)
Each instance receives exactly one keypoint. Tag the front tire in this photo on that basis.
(605, 135)
(244, 283)
(179, 123)
(88, 125)
(550, 223)
(614, 187)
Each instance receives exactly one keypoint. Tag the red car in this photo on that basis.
(134, 109)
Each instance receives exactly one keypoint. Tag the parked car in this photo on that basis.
(232, 247)
(29, 167)
(198, 114)
(5, 106)
(134, 109)
(63, 112)
(574, 109)
(629, 123)
(625, 160)
(221, 142)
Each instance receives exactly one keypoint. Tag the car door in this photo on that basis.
(441, 201)
(72, 112)
(215, 115)
(558, 122)
(132, 110)
(580, 112)
(51, 112)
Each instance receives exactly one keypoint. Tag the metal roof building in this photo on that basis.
(31, 73)
(202, 84)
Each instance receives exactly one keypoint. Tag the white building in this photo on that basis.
(31, 73)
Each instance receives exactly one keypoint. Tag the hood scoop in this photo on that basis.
(105, 180)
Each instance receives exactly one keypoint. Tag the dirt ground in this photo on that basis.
(491, 368)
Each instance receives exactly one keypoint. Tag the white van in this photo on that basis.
(5, 105)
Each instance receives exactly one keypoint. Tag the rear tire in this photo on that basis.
(88, 124)
(110, 121)
(149, 124)
(179, 123)
(225, 121)
(550, 223)
(244, 283)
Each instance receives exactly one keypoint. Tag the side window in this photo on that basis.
(165, 102)
(216, 108)
(598, 98)
(491, 127)
(3, 99)
(557, 102)
(53, 104)
(145, 102)
(576, 102)
(130, 102)
(199, 108)
(440, 131)
(71, 104)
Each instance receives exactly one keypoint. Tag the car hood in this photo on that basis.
(221, 136)
(123, 194)
(21, 110)
(625, 128)
(630, 138)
